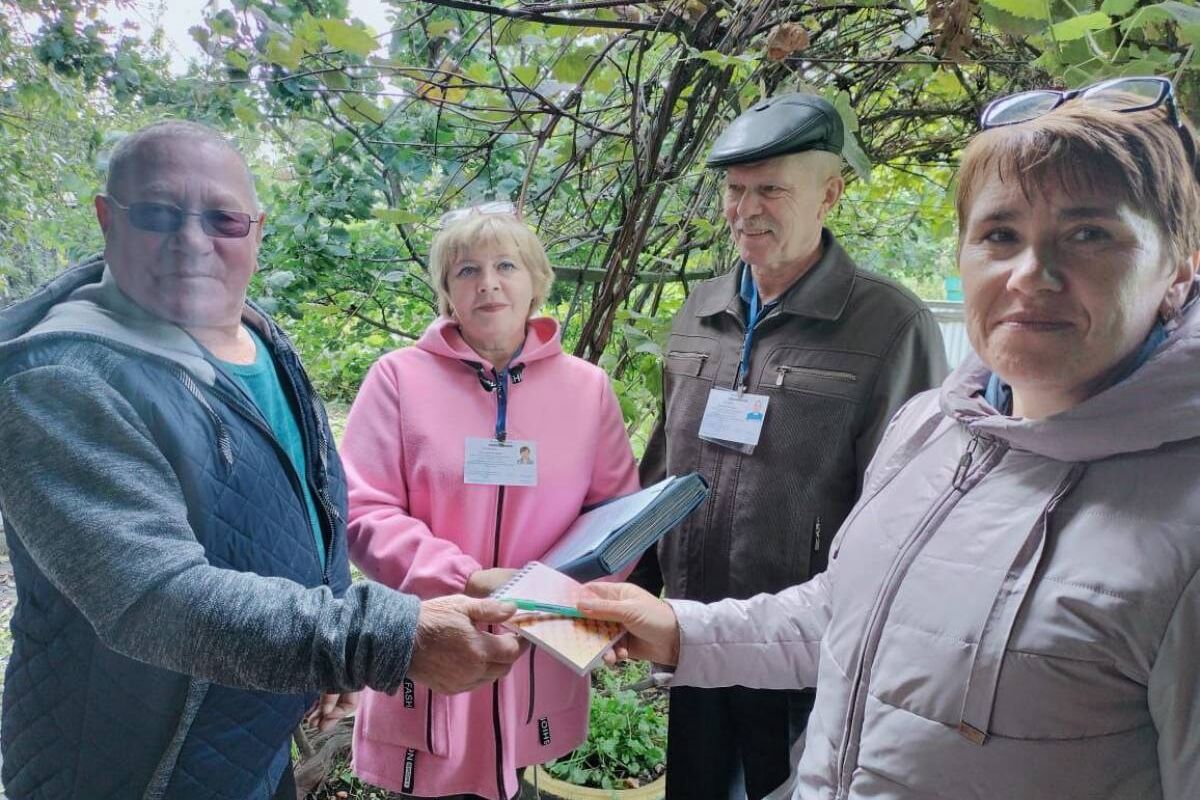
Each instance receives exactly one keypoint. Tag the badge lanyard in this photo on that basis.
(500, 461)
(501, 404)
(500, 387)
(739, 382)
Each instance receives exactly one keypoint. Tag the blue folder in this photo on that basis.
(606, 538)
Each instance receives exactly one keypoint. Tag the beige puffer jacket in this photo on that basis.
(1012, 611)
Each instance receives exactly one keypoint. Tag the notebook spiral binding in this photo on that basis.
(521, 573)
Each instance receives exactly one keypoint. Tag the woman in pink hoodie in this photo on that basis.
(437, 509)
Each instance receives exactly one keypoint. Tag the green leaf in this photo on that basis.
(1118, 8)
(245, 111)
(200, 35)
(356, 39)
(603, 79)
(395, 216)
(440, 27)
(944, 83)
(856, 157)
(1187, 17)
(479, 72)
(719, 59)
(280, 280)
(527, 74)
(237, 60)
(307, 30)
(284, 52)
(1078, 27)
(223, 23)
(841, 101)
(511, 32)
(335, 79)
(571, 67)
(360, 109)
(1026, 9)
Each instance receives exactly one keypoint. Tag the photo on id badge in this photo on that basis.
(491, 462)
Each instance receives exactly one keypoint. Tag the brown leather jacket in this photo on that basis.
(838, 356)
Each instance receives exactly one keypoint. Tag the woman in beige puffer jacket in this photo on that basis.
(1012, 610)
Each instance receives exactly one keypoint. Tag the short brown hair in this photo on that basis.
(1083, 146)
(450, 244)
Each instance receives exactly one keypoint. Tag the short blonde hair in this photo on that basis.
(1136, 156)
(452, 242)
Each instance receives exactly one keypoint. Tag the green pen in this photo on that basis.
(546, 608)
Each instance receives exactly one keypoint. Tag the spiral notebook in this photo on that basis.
(578, 643)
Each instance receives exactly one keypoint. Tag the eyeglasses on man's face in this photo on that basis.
(494, 207)
(167, 218)
(1116, 94)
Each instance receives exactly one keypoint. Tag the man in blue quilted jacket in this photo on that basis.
(174, 507)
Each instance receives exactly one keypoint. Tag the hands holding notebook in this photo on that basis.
(579, 624)
(550, 620)
(452, 654)
(652, 633)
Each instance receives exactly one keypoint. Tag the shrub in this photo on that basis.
(627, 734)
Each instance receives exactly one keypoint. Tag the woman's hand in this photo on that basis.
(485, 581)
(330, 708)
(653, 630)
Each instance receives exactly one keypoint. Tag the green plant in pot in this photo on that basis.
(626, 746)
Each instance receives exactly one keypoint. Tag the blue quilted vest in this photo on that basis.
(138, 730)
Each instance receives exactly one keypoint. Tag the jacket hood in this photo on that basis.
(86, 300)
(443, 338)
(1156, 405)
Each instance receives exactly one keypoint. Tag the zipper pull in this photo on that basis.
(817, 536)
(779, 373)
(964, 463)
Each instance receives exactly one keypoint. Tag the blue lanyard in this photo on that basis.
(500, 387)
(501, 404)
(748, 292)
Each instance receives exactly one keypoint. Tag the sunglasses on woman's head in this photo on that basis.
(1117, 94)
(166, 218)
(500, 207)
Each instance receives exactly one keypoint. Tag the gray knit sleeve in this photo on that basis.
(102, 515)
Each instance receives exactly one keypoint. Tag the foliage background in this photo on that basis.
(594, 115)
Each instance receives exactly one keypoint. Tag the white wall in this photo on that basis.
(954, 331)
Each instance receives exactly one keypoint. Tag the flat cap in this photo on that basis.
(790, 123)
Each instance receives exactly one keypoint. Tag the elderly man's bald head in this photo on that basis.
(139, 147)
(164, 251)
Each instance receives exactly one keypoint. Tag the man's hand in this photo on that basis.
(330, 708)
(485, 581)
(653, 630)
(451, 654)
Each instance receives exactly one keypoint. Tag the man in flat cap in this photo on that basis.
(780, 378)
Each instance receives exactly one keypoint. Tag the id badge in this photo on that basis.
(734, 420)
(490, 462)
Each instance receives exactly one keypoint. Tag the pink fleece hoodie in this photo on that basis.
(415, 526)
